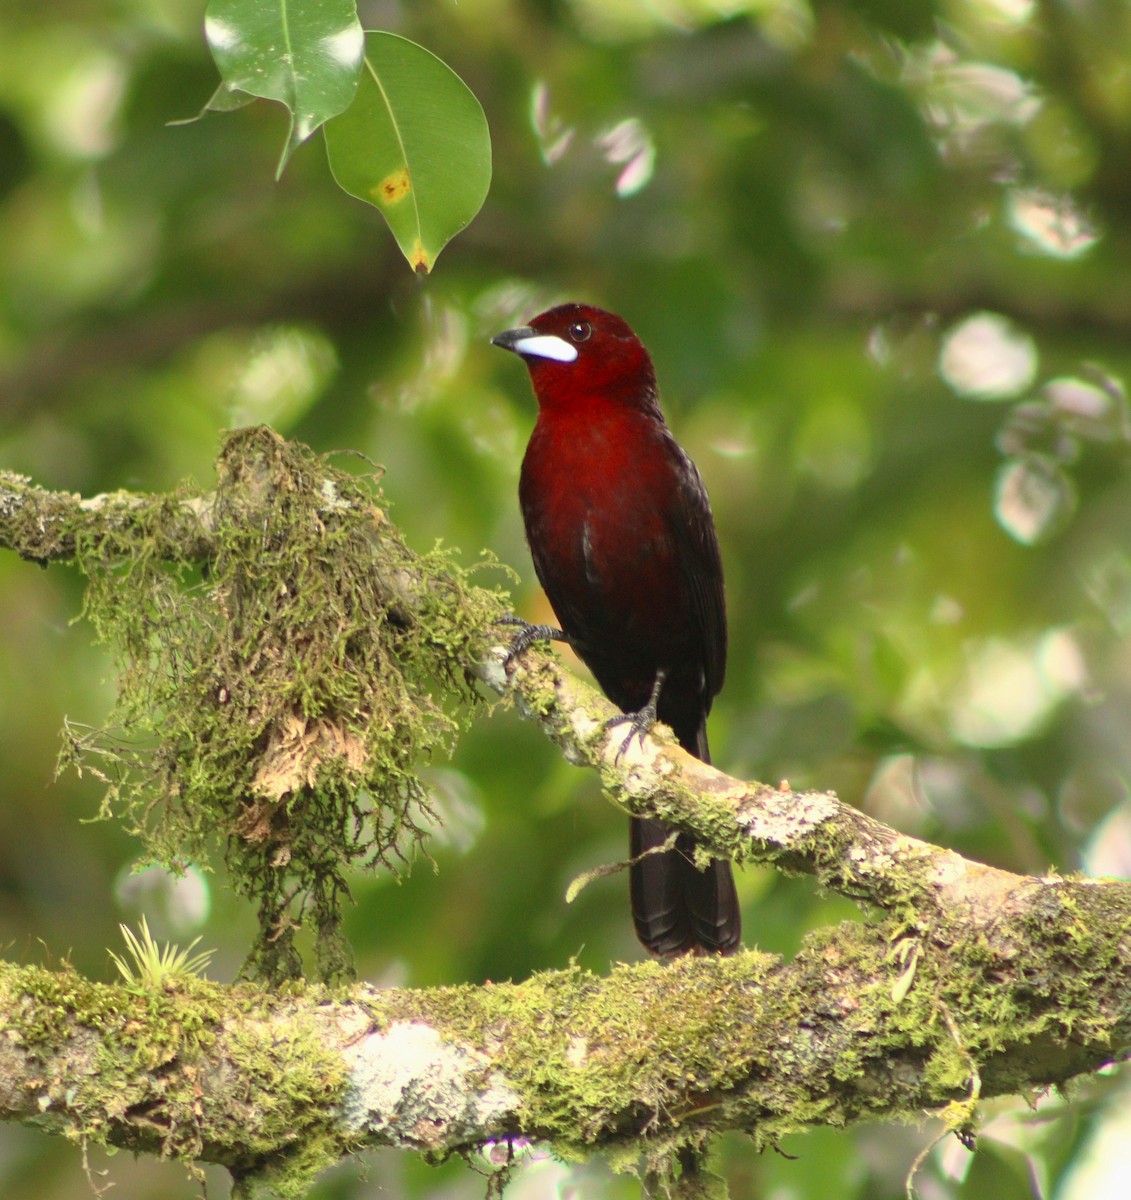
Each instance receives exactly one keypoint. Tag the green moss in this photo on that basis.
(649, 1045)
(109, 1051)
(644, 1065)
(274, 705)
(668, 1053)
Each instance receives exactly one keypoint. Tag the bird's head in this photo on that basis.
(576, 351)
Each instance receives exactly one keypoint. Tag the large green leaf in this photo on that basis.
(415, 144)
(304, 53)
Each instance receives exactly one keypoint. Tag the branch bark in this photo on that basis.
(966, 982)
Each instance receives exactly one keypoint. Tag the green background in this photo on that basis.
(798, 207)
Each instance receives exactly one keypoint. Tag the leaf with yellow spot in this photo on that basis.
(415, 145)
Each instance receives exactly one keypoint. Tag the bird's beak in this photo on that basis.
(529, 343)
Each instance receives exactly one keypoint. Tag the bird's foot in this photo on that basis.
(641, 721)
(527, 635)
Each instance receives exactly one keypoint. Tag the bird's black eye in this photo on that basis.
(580, 331)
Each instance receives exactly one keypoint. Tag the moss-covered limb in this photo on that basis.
(193, 1071)
(867, 1022)
(285, 662)
(44, 526)
(956, 929)
(799, 832)
(861, 1025)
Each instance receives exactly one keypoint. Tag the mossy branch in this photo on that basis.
(970, 981)
(651, 1058)
(285, 662)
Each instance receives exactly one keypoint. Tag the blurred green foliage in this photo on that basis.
(878, 251)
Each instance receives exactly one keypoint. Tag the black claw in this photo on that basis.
(527, 635)
(639, 724)
(642, 720)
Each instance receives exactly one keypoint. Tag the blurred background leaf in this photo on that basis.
(878, 251)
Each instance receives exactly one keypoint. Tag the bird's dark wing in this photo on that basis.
(692, 530)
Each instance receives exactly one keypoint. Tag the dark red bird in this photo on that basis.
(622, 538)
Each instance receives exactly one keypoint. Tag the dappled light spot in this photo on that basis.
(454, 817)
(630, 143)
(81, 116)
(221, 34)
(1100, 1168)
(1061, 662)
(1050, 224)
(346, 46)
(737, 445)
(175, 904)
(964, 97)
(895, 794)
(946, 610)
(287, 369)
(433, 369)
(1006, 12)
(1078, 398)
(305, 124)
(1108, 584)
(554, 136)
(787, 24)
(1033, 498)
(985, 357)
(1009, 689)
(1108, 851)
(1095, 410)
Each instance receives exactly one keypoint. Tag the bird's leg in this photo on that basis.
(527, 635)
(643, 719)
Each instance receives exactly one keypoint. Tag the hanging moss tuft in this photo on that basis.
(275, 699)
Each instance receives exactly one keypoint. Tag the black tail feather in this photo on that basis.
(676, 908)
